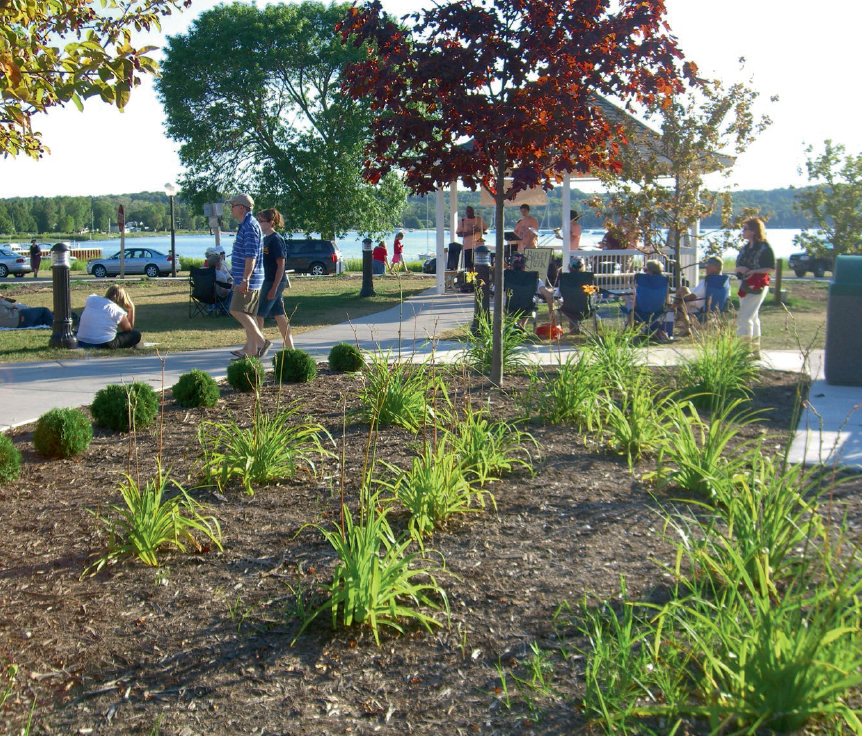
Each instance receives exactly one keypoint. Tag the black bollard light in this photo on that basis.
(367, 278)
(62, 336)
(482, 263)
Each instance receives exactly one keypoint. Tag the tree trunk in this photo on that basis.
(497, 344)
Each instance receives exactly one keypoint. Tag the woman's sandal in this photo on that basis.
(238, 353)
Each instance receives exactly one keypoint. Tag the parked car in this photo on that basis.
(14, 263)
(317, 257)
(146, 261)
(802, 263)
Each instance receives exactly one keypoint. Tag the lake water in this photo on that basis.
(415, 243)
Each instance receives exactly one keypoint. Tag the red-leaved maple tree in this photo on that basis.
(515, 78)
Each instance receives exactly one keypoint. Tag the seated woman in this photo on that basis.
(15, 314)
(108, 321)
(224, 280)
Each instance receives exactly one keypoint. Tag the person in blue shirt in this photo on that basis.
(247, 272)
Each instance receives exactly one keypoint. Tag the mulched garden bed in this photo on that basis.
(202, 645)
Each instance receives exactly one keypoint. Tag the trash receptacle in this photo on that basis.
(843, 356)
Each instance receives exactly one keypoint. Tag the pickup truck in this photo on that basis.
(802, 263)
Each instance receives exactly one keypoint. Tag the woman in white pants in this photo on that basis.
(754, 264)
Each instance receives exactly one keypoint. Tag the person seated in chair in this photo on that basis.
(519, 263)
(223, 278)
(575, 317)
(650, 299)
(687, 302)
(16, 315)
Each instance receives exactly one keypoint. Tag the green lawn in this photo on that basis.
(163, 312)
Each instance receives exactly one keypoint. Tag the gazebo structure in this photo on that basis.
(640, 135)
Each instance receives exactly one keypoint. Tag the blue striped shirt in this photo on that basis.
(248, 244)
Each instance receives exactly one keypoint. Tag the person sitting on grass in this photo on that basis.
(16, 315)
(108, 322)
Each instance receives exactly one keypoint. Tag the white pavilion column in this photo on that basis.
(441, 255)
(565, 230)
(453, 209)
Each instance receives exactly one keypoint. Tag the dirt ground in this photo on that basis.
(202, 645)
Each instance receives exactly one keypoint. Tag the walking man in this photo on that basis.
(247, 272)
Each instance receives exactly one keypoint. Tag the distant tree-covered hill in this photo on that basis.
(27, 216)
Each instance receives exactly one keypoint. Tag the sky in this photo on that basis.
(806, 53)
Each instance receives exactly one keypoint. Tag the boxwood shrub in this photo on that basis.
(196, 388)
(294, 366)
(346, 357)
(62, 433)
(10, 460)
(245, 374)
(114, 405)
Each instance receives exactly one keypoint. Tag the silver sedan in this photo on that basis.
(14, 263)
(146, 261)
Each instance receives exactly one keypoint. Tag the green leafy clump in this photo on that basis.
(245, 374)
(374, 582)
(196, 388)
(479, 349)
(402, 393)
(122, 407)
(62, 433)
(150, 521)
(273, 448)
(723, 370)
(294, 366)
(10, 460)
(346, 358)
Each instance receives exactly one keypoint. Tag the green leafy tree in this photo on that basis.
(254, 97)
(519, 80)
(833, 203)
(58, 51)
(660, 186)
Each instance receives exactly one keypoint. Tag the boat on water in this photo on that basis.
(425, 256)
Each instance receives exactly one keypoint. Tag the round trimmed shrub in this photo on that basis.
(245, 374)
(196, 388)
(294, 366)
(62, 433)
(10, 460)
(111, 406)
(346, 358)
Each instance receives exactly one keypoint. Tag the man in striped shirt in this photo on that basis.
(247, 272)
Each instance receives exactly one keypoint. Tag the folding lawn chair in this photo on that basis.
(521, 288)
(577, 304)
(203, 296)
(650, 301)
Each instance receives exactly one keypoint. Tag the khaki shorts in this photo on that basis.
(247, 302)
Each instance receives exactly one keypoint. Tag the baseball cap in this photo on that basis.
(713, 261)
(244, 199)
(212, 250)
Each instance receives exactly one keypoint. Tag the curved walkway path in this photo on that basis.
(830, 430)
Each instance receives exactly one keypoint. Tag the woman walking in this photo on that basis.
(754, 264)
(275, 280)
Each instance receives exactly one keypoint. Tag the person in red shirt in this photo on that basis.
(398, 253)
(379, 259)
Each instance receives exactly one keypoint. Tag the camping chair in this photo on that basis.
(577, 304)
(717, 297)
(203, 298)
(521, 288)
(650, 301)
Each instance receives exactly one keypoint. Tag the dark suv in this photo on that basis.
(317, 257)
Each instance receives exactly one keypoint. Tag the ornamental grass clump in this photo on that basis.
(123, 407)
(151, 521)
(433, 490)
(614, 354)
(638, 422)
(10, 460)
(196, 388)
(294, 366)
(401, 393)
(488, 450)
(62, 433)
(479, 351)
(276, 447)
(245, 374)
(374, 583)
(346, 358)
(722, 371)
(572, 395)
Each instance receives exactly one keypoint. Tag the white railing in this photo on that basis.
(615, 269)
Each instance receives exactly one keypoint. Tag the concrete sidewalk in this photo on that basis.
(830, 429)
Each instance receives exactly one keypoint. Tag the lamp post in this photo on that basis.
(367, 279)
(482, 263)
(62, 335)
(171, 190)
